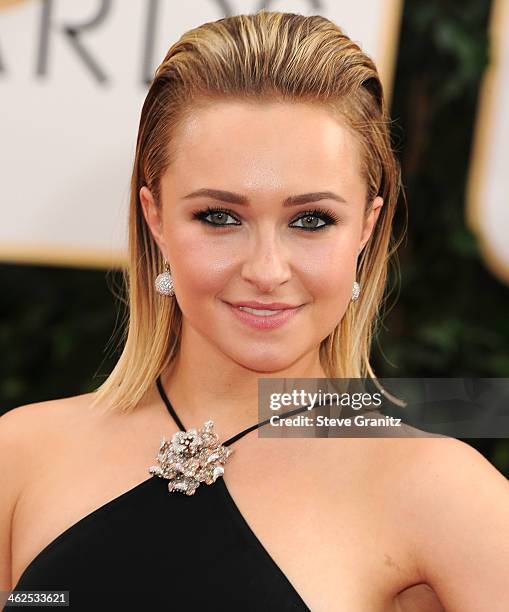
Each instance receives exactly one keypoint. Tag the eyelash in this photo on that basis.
(326, 215)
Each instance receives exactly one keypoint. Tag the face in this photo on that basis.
(255, 235)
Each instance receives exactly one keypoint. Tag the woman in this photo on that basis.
(264, 179)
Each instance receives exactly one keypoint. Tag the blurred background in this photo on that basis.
(445, 72)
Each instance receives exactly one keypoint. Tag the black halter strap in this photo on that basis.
(234, 438)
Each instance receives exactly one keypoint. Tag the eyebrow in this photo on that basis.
(236, 198)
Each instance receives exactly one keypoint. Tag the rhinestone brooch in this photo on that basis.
(190, 458)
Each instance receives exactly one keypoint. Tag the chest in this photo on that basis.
(325, 530)
(338, 551)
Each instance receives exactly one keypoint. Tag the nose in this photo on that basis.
(266, 264)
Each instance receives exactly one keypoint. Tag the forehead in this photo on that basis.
(265, 146)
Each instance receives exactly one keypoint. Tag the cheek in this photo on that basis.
(329, 268)
(328, 275)
(200, 265)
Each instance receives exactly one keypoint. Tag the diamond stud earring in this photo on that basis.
(164, 281)
(356, 289)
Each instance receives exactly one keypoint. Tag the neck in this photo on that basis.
(224, 391)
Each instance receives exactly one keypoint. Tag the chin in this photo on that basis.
(265, 363)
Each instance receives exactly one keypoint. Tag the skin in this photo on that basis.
(266, 152)
(379, 519)
(443, 544)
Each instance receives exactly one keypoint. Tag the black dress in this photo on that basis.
(148, 549)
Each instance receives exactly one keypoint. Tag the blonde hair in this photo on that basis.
(267, 56)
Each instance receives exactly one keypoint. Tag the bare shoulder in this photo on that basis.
(457, 503)
(440, 471)
(29, 413)
(27, 430)
(452, 467)
(32, 434)
(40, 421)
(454, 476)
(27, 435)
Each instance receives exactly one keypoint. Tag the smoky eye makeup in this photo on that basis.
(308, 218)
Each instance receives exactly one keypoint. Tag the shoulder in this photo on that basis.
(441, 474)
(39, 419)
(31, 433)
(36, 426)
(457, 504)
(453, 470)
(27, 436)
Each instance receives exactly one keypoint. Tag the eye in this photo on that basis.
(309, 218)
(220, 214)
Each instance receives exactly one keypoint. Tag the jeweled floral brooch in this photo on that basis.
(190, 458)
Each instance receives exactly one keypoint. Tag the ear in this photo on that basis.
(370, 221)
(153, 216)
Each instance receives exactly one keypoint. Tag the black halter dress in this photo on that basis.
(149, 549)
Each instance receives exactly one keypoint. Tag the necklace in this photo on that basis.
(190, 458)
(195, 456)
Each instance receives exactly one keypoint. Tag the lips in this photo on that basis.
(265, 312)
(264, 321)
(265, 305)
